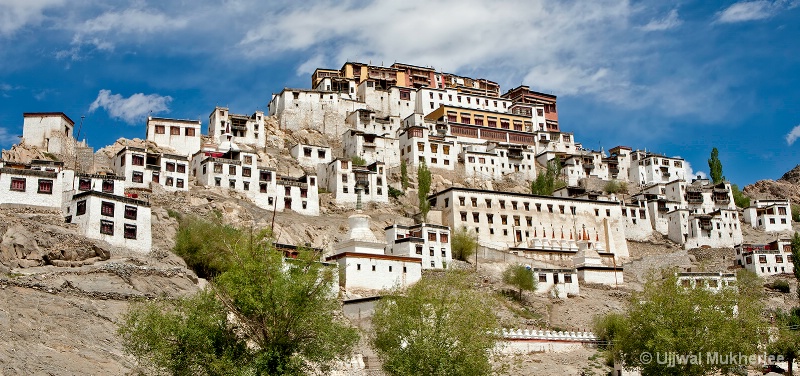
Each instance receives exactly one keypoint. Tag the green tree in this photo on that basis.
(549, 180)
(787, 342)
(796, 257)
(423, 188)
(439, 326)
(615, 186)
(464, 243)
(358, 161)
(403, 175)
(739, 198)
(657, 323)
(715, 167)
(284, 317)
(521, 277)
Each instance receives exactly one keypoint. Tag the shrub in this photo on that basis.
(358, 161)
(781, 286)
(394, 192)
(463, 244)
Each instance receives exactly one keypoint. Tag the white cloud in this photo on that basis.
(6, 138)
(670, 21)
(311, 64)
(132, 109)
(752, 10)
(691, 174)
(793, 135)
(14, 14)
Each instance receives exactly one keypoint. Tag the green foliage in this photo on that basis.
(358, 161)
(174, 214)
(796, 213)
(616, 186)
(204, 244)
(667, 318)
(463, 243)
(521, 277)
(440, 326)
(739, 198)
(283, 311)
(423, 188)
(787, 342)
(715, 167)
(796, 256)
(549, 180)
(403, 175)
(394, 192)
(609, 327)
(780, 285)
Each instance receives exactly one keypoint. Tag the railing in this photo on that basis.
(549, 335)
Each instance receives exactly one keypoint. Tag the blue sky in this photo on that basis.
(674, 77)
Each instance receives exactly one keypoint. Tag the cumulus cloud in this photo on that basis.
(692, 174)
(670, 21)
(752, 10)
(132, 109)
(14, 14)
(793, 135)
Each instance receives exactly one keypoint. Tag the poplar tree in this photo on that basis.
(715, 167)
(423, 189)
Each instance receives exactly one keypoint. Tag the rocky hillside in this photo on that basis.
(788, 186)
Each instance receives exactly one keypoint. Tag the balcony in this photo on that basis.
(153, 167)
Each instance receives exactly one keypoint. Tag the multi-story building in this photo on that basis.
(369, 121)
(343, 180)
(429, 99)
(40, 183)
(118, 220)
(485, 125)
(248, 130)
(648, 168)
(324, 111)
(766, 259)
(308, 155)
(428, 242)
(769, 215)
(363, 263)
(711, 281)
(506, 219)
(498, 159)
(704, 214)
(559, 283)
(105, 183)
(239, 171)
(371, 147)
(140, 168)
(544, 105)
(418, 144)
(183, 136)
(50, 131)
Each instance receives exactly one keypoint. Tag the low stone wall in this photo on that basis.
(542, 341)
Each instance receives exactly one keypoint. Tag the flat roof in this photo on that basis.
(48, 114)
(151, 118)
(526, 195)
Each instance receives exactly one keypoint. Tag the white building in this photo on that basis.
(248, 130)
(364, 265)
(105, 183)
(766, 259)
(42, 183)
(324, 111)
(239, 171)
(558, 283)
(118, 220)
(183, 136)
(50, 131)
(368, 121)
(308, 155)
(428, 242)
(506, 219)
(418, 145)
(711, 281)
(371, 147)
(141, 168)
(341, 178)
(496, 160)
(648, 168)
(705, 216)
(769, 215)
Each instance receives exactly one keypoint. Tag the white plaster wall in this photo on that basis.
(327, 114)
(605, 277)
(549, 287)
(771, 266)
(89, 223)
(36, 130)
(62, 182)
(181, 143)
(380, 279)
(298, 152)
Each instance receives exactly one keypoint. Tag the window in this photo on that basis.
(130, 212)
(358, 266)
(107, 209)
(45, 186)
(475, 217)
(464, 216)
(168, 183)
(431, 236)
(171, 167)
(217, 168)
(779, 259)
(138, 177)
(265, 176)
(181, 168)
(567, 278)
(420, 146)
(504, 219)
(156, 176)
(263, 187)
(136, 160)
(160, 129)
(246, 172)
(80, 208)
(248, 159)
(106, 227)
(231, 170)
(130, 231)
(84, 184)
(190, 132)
(18, 184)
(287, 191)
(543, 277)
(762, 259)
(108, 186)
(232, 184)
(490, 218)
(179, 183)
(444, 238)
(431, 251)
(175, 131)
(373, 268)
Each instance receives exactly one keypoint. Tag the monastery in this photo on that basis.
(412, 115)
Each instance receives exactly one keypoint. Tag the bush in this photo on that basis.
(394, 192)
(796, 213)
(358, 161)
(615, 186)
(463, 244)
(781, 286)
(739, 198)
(203, 244)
